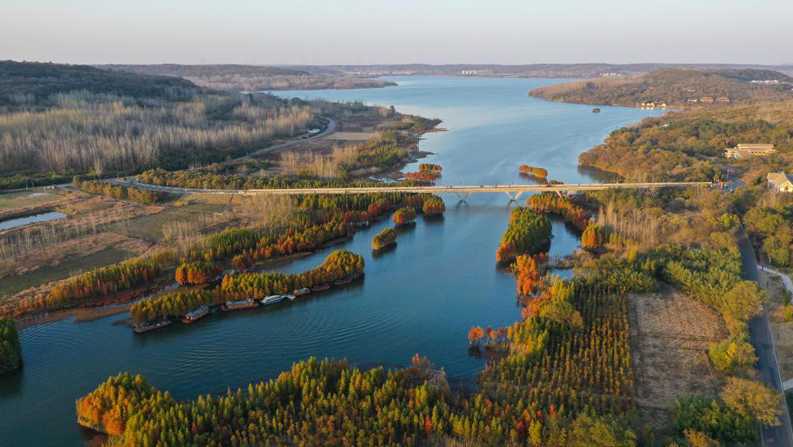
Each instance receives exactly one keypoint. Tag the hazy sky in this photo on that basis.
(396, 31)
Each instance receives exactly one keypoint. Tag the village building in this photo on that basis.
(723, 100)
(706, 100)
(749, 150)
(780, 181)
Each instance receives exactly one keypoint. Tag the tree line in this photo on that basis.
(562, 206)
(120, 192)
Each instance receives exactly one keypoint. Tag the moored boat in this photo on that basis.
(195, 314)
(150, 326)
(239, 305)
(301, 292)
(343, 281)
(320, 287)
(272, 299)
(596, 110)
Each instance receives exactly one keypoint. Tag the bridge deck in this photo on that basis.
(567, 187)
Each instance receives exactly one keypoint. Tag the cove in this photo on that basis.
(421, 297)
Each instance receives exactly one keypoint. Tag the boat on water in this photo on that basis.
(150, 326)
(239, 305)
(343, 281)
(195, 314)
(272, 299)
(320, 288)
(301, 292)
(596, 110)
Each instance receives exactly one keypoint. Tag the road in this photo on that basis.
(763, 342)
(329, 129)
(513, 191)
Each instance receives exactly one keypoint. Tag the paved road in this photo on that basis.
(329, 129)
(763, 341)
(513, 191)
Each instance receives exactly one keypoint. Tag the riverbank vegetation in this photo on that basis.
(10, 349)
(527, 233)
(560, 205)
(384, 239)
(339, 265)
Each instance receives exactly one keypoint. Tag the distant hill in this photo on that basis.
(34, 82)
(255, 77)
(675, 87)
(578, 71)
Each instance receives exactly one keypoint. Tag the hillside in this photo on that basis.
(674, 87)
(26, 83)
(256, 78)
(578, 71)
(689, 145)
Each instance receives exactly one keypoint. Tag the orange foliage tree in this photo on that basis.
(404, 216)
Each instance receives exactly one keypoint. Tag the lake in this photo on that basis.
(421, 297)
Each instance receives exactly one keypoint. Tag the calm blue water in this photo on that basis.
(420, 298)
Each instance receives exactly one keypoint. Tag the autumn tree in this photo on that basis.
(752, 399)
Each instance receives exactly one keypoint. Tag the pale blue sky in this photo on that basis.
(396, 31)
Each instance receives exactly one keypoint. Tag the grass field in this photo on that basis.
(670, 333)
(150, 228)
(13, 284)
(25, 199)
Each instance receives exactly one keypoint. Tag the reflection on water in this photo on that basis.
(27, 220)
(421, 297)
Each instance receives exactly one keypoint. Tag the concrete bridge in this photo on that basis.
(512, 191)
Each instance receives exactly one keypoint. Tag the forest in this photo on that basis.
(100, 135)
(689, 145)
(64, 120)
(32, 84)
(10, 349)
